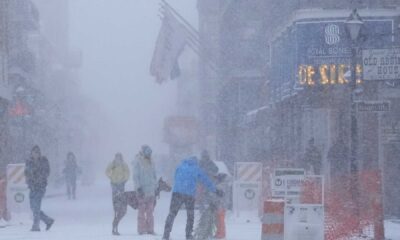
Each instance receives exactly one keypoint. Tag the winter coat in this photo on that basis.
(118, 172)
(144, 175)
(36, 173)
(188, 174)
(71, 169)
(209, 167)
(225, 185)
(313, 159)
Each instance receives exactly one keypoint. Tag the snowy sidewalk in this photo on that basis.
(90, 216)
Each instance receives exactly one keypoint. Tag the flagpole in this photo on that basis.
(194, 35)
(186, 25)
(180, 16)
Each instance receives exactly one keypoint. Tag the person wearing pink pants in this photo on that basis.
(144, 177)
(145, 215)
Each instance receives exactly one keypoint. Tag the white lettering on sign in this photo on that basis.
(291, 183)
(381, 64)
(332, 34)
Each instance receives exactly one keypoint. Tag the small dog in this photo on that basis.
(122, 200)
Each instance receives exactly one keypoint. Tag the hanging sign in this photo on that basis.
(381, 64)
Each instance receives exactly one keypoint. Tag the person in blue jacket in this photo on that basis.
(187, 175)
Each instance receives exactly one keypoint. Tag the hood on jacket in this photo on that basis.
(191, 161)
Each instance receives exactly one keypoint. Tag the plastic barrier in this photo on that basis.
(273, 220)
(17, 190)
(348, 213)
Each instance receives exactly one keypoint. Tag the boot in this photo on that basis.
(189, 237)
(49, 224)
(35, 228)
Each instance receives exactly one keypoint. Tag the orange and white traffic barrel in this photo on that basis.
(273, 220)
(220, 233)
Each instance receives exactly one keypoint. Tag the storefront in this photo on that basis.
(309, 89)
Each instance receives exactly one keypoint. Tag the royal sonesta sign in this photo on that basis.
(325, 54)
(316, 52)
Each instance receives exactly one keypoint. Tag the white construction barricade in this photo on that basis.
(247, 187)
(304, 203)
(304, 219)
(17, 190)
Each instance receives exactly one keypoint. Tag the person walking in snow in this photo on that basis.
(118, 173)
(145, 180)
(187, 175)
(70, 172)
(37, 170)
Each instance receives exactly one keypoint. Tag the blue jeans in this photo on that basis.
(117, 188)
(177, 201)
(35, 200)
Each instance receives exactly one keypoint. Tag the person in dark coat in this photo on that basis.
(211, 169)
(313, 158)
(37, 170)
(187, 175)
(70, 172)
(338, 157)
(207, 164)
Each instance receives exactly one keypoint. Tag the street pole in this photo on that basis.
(354, 132)
(353, 25)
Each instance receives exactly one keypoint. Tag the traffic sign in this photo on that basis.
(287, 182)
(246, 196)
(249, 194)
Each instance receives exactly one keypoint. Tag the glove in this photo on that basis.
(140, 192)
(219, 193)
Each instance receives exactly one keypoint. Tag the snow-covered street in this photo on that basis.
(90, 217)
(241, 119)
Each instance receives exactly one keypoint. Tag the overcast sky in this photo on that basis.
(117, 40)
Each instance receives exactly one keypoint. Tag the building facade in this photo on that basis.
(43, 105)
(231, 34)
(283, 87)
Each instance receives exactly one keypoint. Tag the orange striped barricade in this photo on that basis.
(247, 188)
(17, 189)
(273, 220)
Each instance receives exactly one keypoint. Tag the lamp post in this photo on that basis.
(353, 26)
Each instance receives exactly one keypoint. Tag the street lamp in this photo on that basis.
(353, 26)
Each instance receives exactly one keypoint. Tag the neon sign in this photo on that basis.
(327, 74)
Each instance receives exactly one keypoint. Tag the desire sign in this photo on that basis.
(327, 74)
